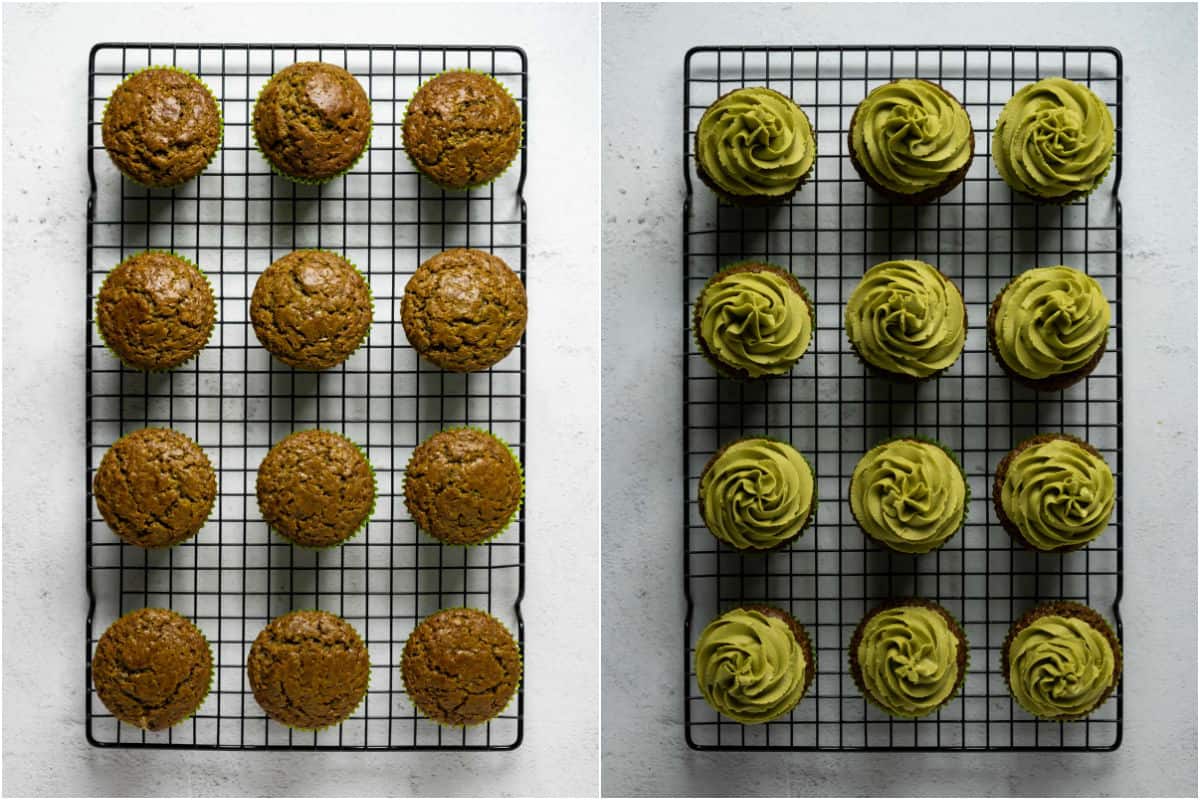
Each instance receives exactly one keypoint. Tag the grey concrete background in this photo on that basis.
(45, 191)
(643, 750)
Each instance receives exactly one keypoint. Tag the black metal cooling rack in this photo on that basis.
(236, 401)
(834, 228)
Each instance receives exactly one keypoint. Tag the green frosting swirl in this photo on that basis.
(757, 494)
(750, 667)
(754, 321)
(911, 135)
(1058, 494)
(1059, 667)
(908, 495)
(1050, 321)
(1054, 138)
(906, 317)
(755, 141)
(908, 657)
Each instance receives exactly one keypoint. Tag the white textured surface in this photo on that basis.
(643, 749)
(45, 86)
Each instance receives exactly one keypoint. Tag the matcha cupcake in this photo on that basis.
(308, 669)
(312, 121)
(1061, 660)
(463, 486)
(460, 667)
(909, 495)
(1054, 141)
(155, 488)
(1054, 493)
(911, 141)
(311, 309)
(754, 663)
(462, 129)
(152, 669)
(753, 320)
(754, 147)
(464, 310)
(757, 494)
(1049, 326)
(155, 310)
(906, 320)
(161, 127)
(909, 657)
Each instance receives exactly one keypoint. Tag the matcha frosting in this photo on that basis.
(908, 657)
(749, 666)
(755, 141)
(911, 135)
(1054, 138)
(908, 495)
(905, 317)
(1058, 494)
(754, 321)
(1059, 667)
(757, 494)
(1050, 321)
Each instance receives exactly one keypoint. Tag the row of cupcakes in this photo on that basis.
(162, 126)
(1047, 328)
(910, 140)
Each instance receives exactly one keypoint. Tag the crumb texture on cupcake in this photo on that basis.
(461, 666)
(756, 494)
(152, 668)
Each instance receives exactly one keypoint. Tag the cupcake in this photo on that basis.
(1054, 141)
(152, 669)
(752, 320)
(155, 310)
(1054, 493)
(757, 494)
(316, 488)
(155, 487)
(909, 495)
(161, 127)
(464, 310)
(463, 486)
(312, 121)
(1048, 327)
(909, 657)
(754, 147)
(911, 141)
(462, 129)
(906, 320)
(1061, 660)
(754, 663)
(311, 309)
(461, 666)
(308, 669)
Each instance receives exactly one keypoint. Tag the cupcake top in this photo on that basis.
(312, 121)
(907, 318)
(155, 487)
(909, 495)
(911, 135)
(753, 319)
(152, 668)
(1057, 492)
(755, 142)
(161, 127)
(756, 494)
(461, 666)
(308, 669)
(1054, 140)
(1050, 321)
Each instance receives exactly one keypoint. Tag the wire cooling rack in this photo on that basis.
(834, 228)
(236, 401)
